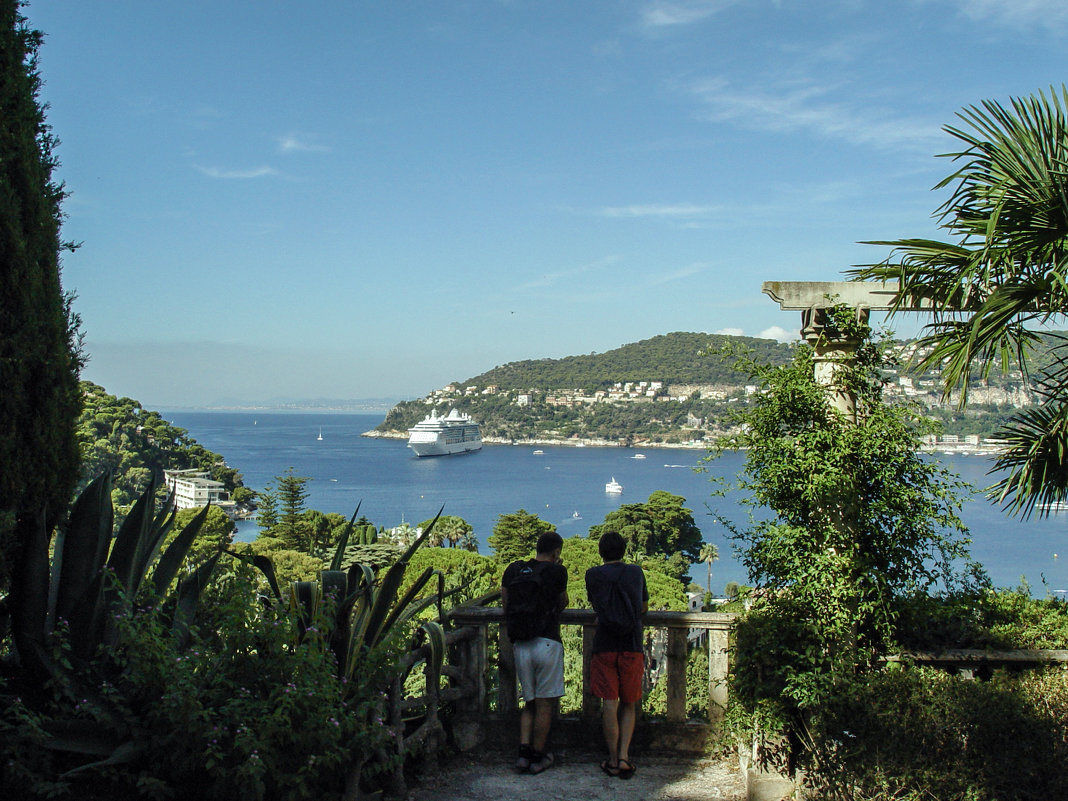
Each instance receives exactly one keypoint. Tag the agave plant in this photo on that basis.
(93, 579)
(363, 612)
(94, 576)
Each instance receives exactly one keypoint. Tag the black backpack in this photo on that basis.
(618, 617)
(529, 612)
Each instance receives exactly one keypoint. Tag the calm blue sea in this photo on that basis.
(392, 486)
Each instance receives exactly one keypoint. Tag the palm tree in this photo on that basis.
(709, 554)
(448, 529)
(1004, 275)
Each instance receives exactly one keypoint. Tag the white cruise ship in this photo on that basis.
(439, 436)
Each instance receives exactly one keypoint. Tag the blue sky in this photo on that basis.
(366, 199)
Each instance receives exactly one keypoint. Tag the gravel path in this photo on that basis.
(577, 778)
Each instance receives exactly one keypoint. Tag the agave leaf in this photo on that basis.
(335, 583)
(360, 579)
(409, 612)
(84, 547)
(400, 606)
(435, 637)
(175, 554)
(189, 590)
(362, 602)
(387, 592)
(123, 754)
(433, 634)
(304, 597)
(128, 542)
(264, 565)
(440, 596)
(150, 546)
(384, 598)
(421, 538)
(343, 541)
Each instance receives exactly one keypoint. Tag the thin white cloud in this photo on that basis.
(676, 275)
(673, 13)
(548, 279)
(801, 105)
(1017, 13)
(779, 334)
(663, 211)
(298, 143)
(255, 172)
(730, 332)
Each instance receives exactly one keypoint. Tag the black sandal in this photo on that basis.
(626, 772)
(610, 770)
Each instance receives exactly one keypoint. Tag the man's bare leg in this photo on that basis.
(544, 711)
(526, 723)
(610, 725)
(627, 715)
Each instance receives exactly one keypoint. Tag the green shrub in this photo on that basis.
(919, 733)
(241, 713)
(996, 619)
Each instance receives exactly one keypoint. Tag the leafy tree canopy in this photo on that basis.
(661, 526)
(672, 358)
(216, 532)
(515, 535)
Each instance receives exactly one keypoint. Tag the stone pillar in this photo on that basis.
(833, 352)
(718, 666)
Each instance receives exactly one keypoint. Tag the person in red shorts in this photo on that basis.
(619, 596)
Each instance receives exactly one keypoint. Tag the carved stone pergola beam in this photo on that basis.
(805, 295)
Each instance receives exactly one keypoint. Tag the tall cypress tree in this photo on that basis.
(39, 355)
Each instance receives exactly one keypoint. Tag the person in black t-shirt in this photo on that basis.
(619, 596)
(539, 659)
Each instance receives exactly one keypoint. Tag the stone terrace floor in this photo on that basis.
(577, 777)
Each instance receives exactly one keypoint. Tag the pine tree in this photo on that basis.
(267, 508)
(292, 495)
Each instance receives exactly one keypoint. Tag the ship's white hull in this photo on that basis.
(439, 448)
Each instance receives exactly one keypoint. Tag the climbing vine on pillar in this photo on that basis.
(848, 520)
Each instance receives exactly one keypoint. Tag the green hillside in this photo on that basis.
(671, 358)
(119, 435)
(569, 398)
(552, 386)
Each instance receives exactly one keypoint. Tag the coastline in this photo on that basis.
(948, 450)
(572, 442)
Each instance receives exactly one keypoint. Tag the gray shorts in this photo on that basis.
(539, 664)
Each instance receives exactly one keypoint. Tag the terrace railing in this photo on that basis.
(486, 713)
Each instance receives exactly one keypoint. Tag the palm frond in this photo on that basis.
(1035, 458)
